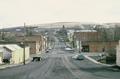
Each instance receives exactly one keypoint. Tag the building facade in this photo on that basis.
(91, 41)
(37, 43)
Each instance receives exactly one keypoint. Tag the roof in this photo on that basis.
(12, 47)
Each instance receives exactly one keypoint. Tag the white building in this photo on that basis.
(118, 55)
(13, 53)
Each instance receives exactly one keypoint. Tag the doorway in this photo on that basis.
(85, 48)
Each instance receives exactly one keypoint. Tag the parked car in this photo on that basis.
(47, 51)
(69, 49)
(50, 48)
(75, 56)
(78, 57)
(6, 60)
(36, 59)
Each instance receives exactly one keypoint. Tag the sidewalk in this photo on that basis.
(95, 61)
(8, 65)
(3, 66)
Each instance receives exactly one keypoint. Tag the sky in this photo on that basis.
(16, 12)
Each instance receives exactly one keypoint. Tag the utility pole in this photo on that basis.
(73, 45)
(79, 45)
(24, 44)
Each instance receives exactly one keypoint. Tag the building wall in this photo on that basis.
(32, 46)
(98, 46)
(17, 56)
(36, 43)
(118, 54)
(38, 47)
(87, 36)
(44, 43)
(93, 41)
(27, 53)
(7, 53)
(1, 57)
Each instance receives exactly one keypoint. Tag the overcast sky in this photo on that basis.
(16, 12)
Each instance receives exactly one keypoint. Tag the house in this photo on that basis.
(13, 54)
(37, 43)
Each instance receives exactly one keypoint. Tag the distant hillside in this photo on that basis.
(71, 25)
(66, 24)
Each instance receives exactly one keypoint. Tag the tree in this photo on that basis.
(29, 31)
(63, 32)
(117, 33)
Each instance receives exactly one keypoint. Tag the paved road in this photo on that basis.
(58, 65)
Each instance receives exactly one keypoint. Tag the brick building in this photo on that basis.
(37, 43)
(91, 41)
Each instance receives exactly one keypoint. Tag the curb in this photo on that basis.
(93, 60)
(12, 65)
(9, 66)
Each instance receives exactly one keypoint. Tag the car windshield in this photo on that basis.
(59, 39)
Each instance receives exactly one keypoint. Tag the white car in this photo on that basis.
(50, 48)
(68, 49)
(78, 57)
(75, 56)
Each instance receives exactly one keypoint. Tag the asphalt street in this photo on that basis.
(58, 64)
